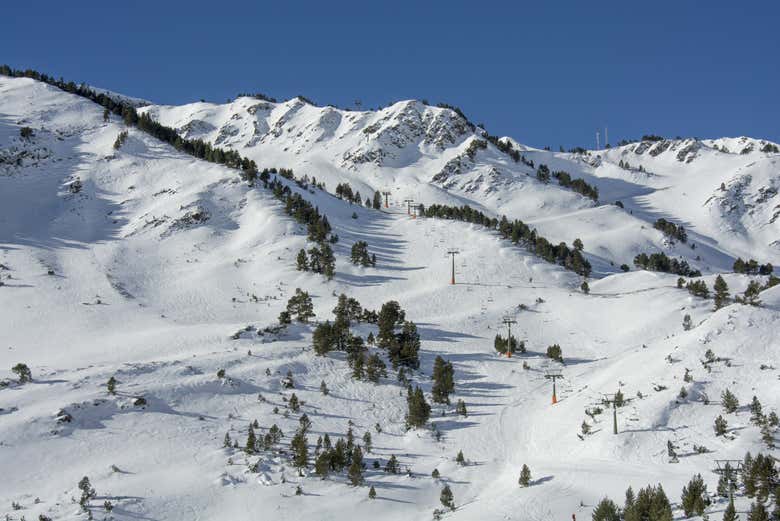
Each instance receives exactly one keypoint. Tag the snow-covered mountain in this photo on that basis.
(725, 192)
(142, 263)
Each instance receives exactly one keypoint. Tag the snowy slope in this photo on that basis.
(158, 259)
(422, 153)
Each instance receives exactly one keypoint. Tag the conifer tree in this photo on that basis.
(606, 510)
(729, 401)
(367, 442)
(460, 408)
(371, 491)
(324, 388)
(377, 202)
(323, 338)
(584, 287)
(389, 316)
(756, 412)
(23, 372)
(355, 472)
(299, 446)
(459, 459)
(687, 323)
(302, 261)
(418, 409)
(322, 464)
(720, 426)
(525, 476)
(391, 466)
(251, 441)
(111, 385)
(694, 497)
(758, 512)
(294, 404)
(721, 292)
(730, 513)
(446, 497)
(443, 380)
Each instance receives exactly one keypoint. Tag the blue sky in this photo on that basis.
(546, 73)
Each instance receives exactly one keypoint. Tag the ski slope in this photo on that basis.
(149, 269)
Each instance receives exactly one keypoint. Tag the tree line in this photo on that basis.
(519, 233)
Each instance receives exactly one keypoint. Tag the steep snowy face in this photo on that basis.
(724, 192)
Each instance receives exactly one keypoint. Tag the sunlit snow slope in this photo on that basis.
(159, 269)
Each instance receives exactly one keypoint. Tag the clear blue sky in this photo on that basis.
(546, 73)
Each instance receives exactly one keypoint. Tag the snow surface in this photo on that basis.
(145, 289)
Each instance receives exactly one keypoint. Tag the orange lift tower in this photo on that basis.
(553, 376)
(386, 194)
(508, 321)
(453, 253)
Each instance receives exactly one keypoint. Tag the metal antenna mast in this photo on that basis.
(453, 252)
(598, 146)
(552, 375)
(610, 398)
(508, 321)
(386, 194)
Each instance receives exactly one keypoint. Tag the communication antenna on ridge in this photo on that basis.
(598, 146)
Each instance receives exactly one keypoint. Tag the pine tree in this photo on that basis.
(460, 408)
(23, 372)
(111, 385)
(355, 472)
(459, 459)
(322, 464)
(525, 476)
(324, 388)
(371, 491)
(756, 411)
(302, 261)
(729, 401)
(391, 466)
(446, 497)
(406, 349)
(300, 306)
(375, 368)
(106, 115)
(389, 316)
(750, 296)
(758, 512)
(418, 409)
(323, 338)
(606, 510)
(251, 441)
(443, 380)
(584, 287)
(721, 292)
(377, 202)
(687, 322)
(367, 442)
(730, 513)
(299, 446)
(294, 404)
(694, 497)
(720, 426)
(435, 474)
(226, 443)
